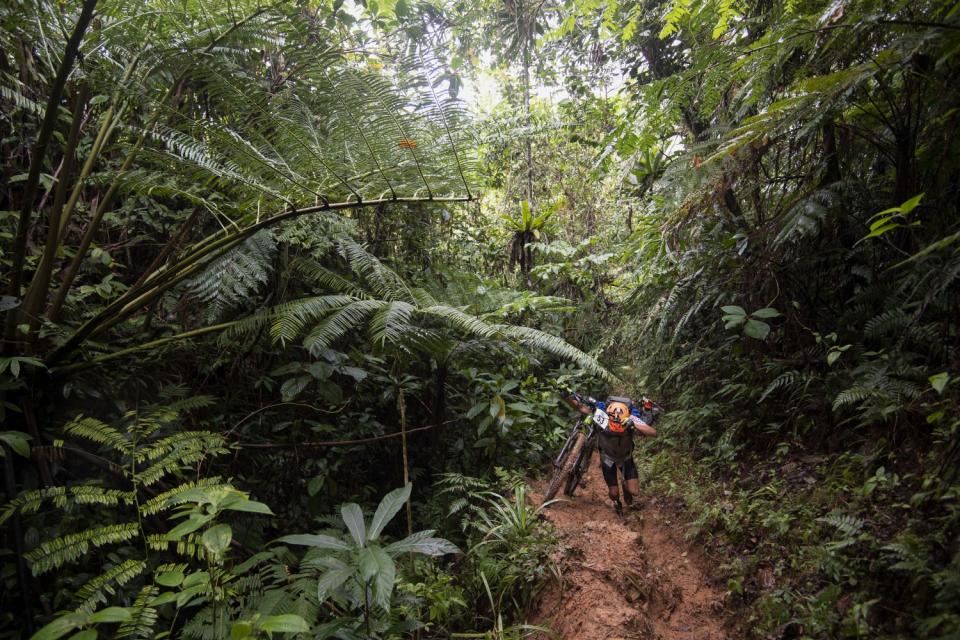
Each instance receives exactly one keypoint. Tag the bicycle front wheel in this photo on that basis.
(578, 470)
(562, 472)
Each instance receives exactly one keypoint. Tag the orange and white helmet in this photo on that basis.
(618, 412)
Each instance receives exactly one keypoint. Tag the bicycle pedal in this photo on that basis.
(583, 483)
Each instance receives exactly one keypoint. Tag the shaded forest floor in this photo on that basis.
(627, 578)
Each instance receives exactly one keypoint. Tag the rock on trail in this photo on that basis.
(630, 578)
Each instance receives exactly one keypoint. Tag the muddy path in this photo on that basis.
(629, 578)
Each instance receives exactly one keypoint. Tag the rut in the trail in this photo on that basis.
(631, 578)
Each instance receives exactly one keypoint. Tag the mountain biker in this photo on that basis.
(618, 420)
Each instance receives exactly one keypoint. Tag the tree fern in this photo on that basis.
(394, 313)
(334, 135)
(235, 277)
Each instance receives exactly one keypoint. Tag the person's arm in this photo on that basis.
(646, 430)
(573, 399)
(640, 426)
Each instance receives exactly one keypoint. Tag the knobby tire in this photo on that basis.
(559, 475)
(577, 471)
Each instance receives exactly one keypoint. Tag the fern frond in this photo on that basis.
(96, 431)
(853, 395)
(66, 549)
(21, 101)
(235, 276)
(890, 321)
(326, 279)
(783, 381)
(289, 319)
(848, 525)
(383, 282)
(557, 346)
(348, 318)
(30, 501)
(462, 321)
(95, 591)
(143, 619)
(177, 452)
(391, 322)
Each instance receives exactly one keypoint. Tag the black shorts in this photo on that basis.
(628, 468)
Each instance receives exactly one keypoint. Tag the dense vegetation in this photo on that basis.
(290, 290)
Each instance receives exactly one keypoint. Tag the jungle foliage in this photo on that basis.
(285, 321)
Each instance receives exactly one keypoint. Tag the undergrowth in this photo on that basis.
(856, 543)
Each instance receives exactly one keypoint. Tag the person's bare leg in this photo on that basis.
(631, 488)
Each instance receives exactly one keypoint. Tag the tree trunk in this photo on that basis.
(526, 113)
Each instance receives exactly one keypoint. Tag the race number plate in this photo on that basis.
(601, 419)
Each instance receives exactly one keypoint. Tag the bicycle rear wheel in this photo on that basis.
(561, 473)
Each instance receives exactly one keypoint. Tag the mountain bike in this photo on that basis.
(574, 458)
(572, 463)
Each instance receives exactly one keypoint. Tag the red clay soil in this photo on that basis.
(626, 578)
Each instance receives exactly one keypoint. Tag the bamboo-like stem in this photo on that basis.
(53, 312)
(108, 124)
(170, 247)
(38, 156)
(70, 273)
(40, 282)
(402, 407)
(193, 333)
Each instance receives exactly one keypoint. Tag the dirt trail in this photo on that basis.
(630, 578)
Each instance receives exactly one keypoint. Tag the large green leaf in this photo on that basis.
(60, 626)
(317, 540)
(284, 623)
(111, 614)
(333, 579)
(249, 506)
(18, 441)
(352, 516)
(194, 522)
(387, 509)
(756, 329)
(377, 565)
(422, 542)
(734, 310)
(216, 539)
(939, 381)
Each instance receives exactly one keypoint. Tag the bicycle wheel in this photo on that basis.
(561, 472)
(579, 470)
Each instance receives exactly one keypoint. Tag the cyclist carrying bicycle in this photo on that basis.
(618, 420)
